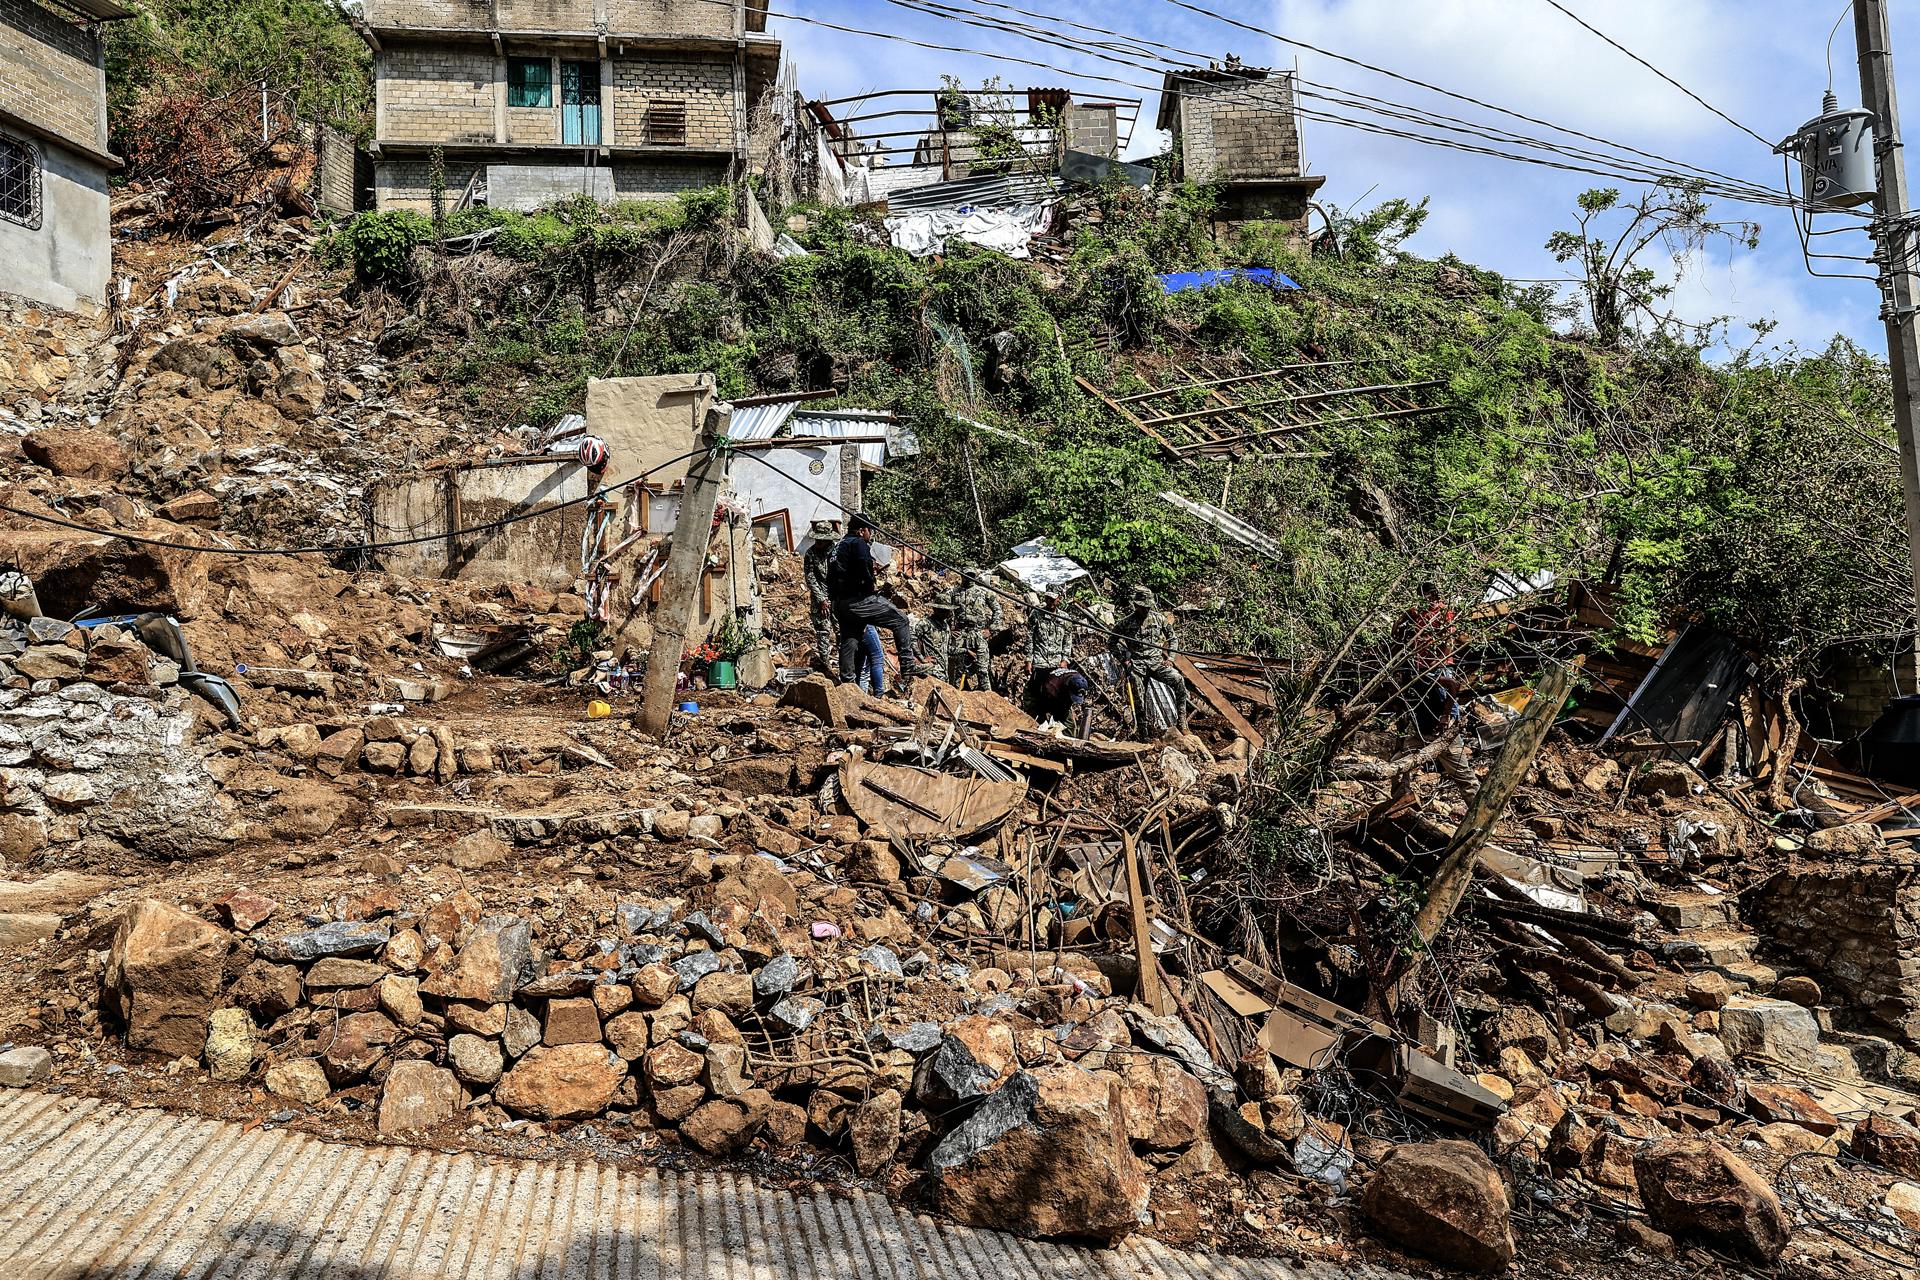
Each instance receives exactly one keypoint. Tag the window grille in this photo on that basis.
(19, 182)
(667, 122)
(529, 82)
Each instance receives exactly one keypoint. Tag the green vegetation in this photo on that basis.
(303, 49)
(1757, 492)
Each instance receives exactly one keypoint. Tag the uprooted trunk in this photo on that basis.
(1367, 769)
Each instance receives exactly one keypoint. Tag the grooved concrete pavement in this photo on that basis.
(95, 1190)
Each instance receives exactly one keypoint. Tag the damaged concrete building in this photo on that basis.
(1237, 127)
(54, 241)
(529, 101)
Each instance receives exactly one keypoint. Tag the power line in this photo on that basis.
(1412, 80)
(1742, 193)
(1658, 72)
(1341, 96)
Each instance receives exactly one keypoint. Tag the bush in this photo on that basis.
(379, 246)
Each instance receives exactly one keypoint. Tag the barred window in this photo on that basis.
(667, 122)
(529, 82)
(19, 182)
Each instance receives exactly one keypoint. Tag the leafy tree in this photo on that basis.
(1619, 286)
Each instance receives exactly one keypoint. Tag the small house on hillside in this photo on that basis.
(1236, 126)
(56, 242)
(529, 101)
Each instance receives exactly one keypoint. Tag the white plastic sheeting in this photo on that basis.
(1038, 566)
(1008, 230)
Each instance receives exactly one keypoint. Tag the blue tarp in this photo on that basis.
(1181, 281)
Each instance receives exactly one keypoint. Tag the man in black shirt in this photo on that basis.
(856, 603)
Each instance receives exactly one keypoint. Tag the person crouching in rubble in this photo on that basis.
(819, 557)
(1430, 636)
(857, 602)
(1058, 695)
(1143, 644)
(976, 611)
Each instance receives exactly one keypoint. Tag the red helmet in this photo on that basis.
(593, 453)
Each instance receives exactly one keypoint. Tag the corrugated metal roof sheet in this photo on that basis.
(872, 428)
(991, 192)
(95, 1188)
(878, 435)
(761, 421)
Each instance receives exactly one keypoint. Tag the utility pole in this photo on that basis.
(1900, 289)
(680, 583)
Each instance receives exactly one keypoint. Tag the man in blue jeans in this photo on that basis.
(856, 602)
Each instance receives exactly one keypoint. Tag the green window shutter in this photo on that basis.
(529, 82)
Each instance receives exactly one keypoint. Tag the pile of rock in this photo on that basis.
(1044, 1111)
(95, 740)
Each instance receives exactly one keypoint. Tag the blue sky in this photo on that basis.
(1763, 62)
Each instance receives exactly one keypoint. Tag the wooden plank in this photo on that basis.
(1240, 688)
(1309, 397)
(1218, 701)
(1238, 378)
(1148, 991)
(1128, 414)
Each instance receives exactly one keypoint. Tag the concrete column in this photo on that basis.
(500, 99)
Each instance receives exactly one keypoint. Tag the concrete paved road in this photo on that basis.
(95, 1190)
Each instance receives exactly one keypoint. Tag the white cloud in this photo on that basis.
(1762, 61)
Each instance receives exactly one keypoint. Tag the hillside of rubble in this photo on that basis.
(397, 897)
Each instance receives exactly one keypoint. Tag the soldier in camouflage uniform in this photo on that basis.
(1143, 643)
(933, 639)
(976, 612)
(1050, 637)
(825, 534)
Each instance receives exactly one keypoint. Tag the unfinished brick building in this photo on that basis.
(529, 101)
(54, 241)
(1235, 126)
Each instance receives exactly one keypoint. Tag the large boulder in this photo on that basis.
(163, 978)
(1445, 1201)
(417, 1097)
(1691, 1186)
(1889, 1142)
(564, 1083)
(495, 957)
(1165, 1108)
(78, 452)
(1045, 1155)
(72, 572)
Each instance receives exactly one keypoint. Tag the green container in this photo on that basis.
(720, 675)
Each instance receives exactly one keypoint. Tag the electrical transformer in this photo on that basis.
(1835, 152)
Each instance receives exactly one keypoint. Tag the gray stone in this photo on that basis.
(699, 926)
(48, 630)
(635, 918)
(776, 978)
(882, 960)
(523, 1031)
(25, 1065)
(1006, 1109)
(340, 938)
(797, 1013)
(692, 967)
(917, 1038)
(1754, 1026)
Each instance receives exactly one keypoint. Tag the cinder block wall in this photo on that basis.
(50, 74)
(658, 179)
(632, 17)
(1855, 684)
(435, 95)
(1092, 129)
(408, 184)
(1238, 130)
(705, 85)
